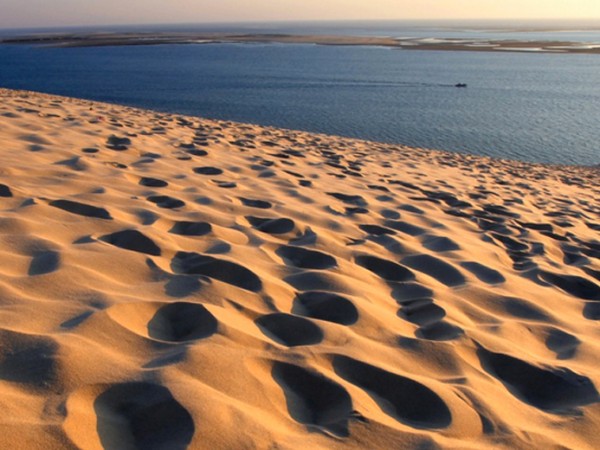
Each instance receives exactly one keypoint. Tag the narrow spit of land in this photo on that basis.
(470, 45)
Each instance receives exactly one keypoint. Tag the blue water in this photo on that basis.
(535, 107)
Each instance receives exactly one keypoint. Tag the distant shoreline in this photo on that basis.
(441, 44)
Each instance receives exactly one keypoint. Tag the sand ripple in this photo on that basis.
(168, 282)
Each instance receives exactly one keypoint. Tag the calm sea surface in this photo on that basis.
(535, 107)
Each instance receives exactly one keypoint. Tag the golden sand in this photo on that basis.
(170, 282)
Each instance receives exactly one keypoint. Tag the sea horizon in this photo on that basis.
(508, 25)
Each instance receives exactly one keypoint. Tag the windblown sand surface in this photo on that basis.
(168, 282)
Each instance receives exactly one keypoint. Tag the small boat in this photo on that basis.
(460, 85)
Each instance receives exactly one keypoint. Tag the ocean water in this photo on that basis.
(534, 107)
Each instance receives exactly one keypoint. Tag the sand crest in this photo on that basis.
(168, 282)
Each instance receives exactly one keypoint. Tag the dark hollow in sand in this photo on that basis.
(404, 227)
(576, 286)
(436, 268)
(164, 201)
(549, 389)
(290, 330)
(306, 259)
(219, 269)
(404, 399)
(118, 143)
(5, 191)
(181, 322)
(208, 170)
(326, 306)
(355, 200)
(315, 280)
(196, 152)
(484, 273)
(439, 331)
(252, 203)
(523, 309)
(44, 262)
(439, 244)
(81, 209)
(313, 399)
(385, 269)
(376, 230)
(132, 240)
(185, 228)
(144, 414)
(153, 182)
(403, 292)
(422, 312)
(562, 343)
(272, 225)
(28, 359)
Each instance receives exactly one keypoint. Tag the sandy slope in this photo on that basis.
(203, 284)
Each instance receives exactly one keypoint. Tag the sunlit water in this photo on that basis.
(536, 107)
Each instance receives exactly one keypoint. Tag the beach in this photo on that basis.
(174, 282)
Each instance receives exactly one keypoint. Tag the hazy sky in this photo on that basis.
(25, 13)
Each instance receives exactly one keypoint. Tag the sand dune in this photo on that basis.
(168, 282)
